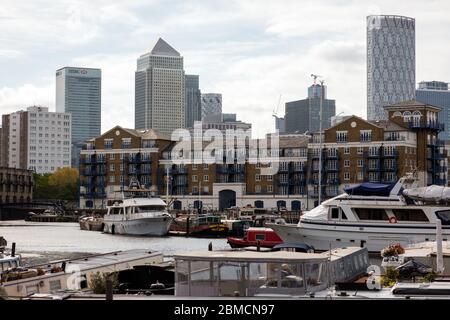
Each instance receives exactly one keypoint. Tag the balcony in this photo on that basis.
(392, 154)
(332, 156)
(222, 170)
(334, 181)
(436, 143)
(438, 126)
(372, 155)
(390, 169)
(440, 182)
(236, 170)
(436, 156)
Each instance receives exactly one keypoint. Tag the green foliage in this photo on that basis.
(390, 278)
(430, 277)
(97, 283)
(61, 185)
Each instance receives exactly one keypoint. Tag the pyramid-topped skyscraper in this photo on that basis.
(162, 48)
(160, 89)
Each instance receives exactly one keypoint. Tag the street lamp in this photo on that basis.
(320, 133)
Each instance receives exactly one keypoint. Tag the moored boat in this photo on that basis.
(203, 225)
(91, 223)
(262, 237)
(371, 215)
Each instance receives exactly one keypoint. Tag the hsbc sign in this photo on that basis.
(77, 71)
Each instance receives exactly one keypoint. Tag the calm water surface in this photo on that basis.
(67, 237)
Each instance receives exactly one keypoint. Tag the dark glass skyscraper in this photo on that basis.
(437, 94)
(78, 92)
(193, 100)
(304, 115)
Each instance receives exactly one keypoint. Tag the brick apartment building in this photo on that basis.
(353, 151)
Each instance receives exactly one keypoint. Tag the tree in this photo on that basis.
(61, 185)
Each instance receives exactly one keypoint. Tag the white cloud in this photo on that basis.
(251, 51)
(14, 99)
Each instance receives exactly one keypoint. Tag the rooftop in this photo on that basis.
(162, 48)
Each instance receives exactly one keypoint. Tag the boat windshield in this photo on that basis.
(141, 209)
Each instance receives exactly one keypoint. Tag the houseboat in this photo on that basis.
(203, 225)
(269, 274)
(72, 274)
(262, 237)
(371, 215)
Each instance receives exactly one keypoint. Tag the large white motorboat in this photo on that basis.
(138, 215)
(373, 215)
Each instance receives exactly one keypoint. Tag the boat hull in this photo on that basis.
(322, 235)
(153, 226)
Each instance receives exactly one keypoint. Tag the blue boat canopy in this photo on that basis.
(299, 247)
(371, 189)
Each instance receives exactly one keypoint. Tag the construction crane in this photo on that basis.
(275, 110)
(315, 76)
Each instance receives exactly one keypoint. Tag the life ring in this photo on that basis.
(392, 220)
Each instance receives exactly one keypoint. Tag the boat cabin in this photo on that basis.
(250, 273)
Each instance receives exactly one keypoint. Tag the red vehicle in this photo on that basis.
(267, 238)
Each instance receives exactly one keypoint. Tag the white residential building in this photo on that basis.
(37, 139)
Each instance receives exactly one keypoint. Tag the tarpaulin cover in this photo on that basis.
(411, 268)
(371, 189)
(430, 193)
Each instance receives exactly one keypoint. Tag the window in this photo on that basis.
(360, 175)
(341, 136)
(205, 166)
(444, 215)
(260, 237)
(360, 150)
(371, 214)
(406, 116)
(346, 150)
(205, 177)
(365, 135)
(257, 177)
(112, 156)
(112, 167)
(194, 190)
(410, 215)
(334, 213)
(194, 167)
(270, 178)
(108, 143)
(258, 188)
(360, 163)
(347, 163)
(269, 189)
(55, 285)
(194, 178)
(346, 176)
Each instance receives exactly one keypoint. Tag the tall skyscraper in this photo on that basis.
(36, 139)
(391, 62)
(304, 115)
(436, 93)
(160, 90)
(79, 92)
(211, 104)
(193, 100)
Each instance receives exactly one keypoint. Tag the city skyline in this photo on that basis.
(252, 56)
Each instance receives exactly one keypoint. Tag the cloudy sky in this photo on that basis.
(251, 51)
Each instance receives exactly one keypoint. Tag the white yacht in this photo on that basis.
(140, 216)
(374, 216)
